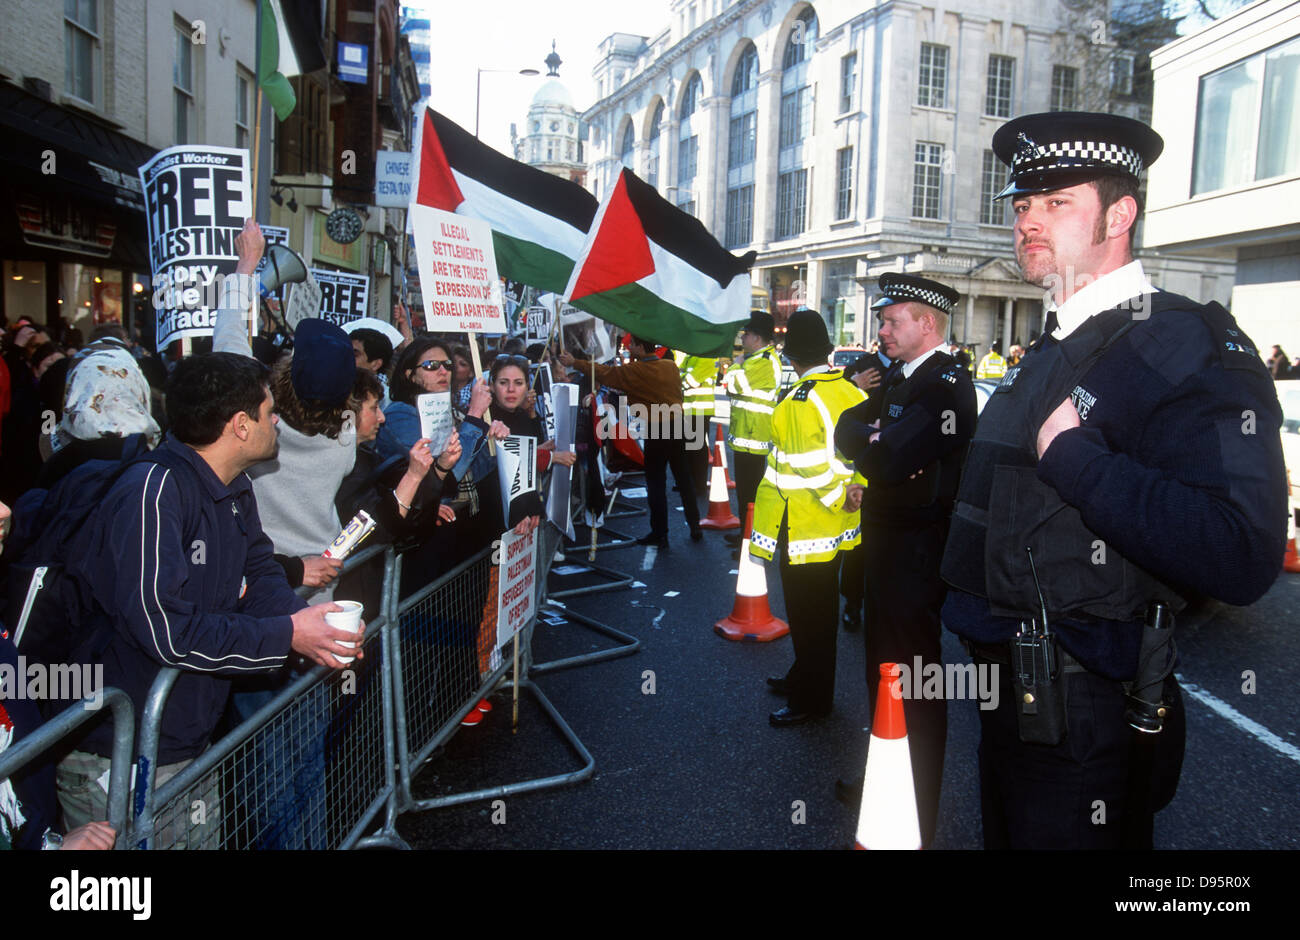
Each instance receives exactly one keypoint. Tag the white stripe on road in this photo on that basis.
(648, 561)
(1247, 725)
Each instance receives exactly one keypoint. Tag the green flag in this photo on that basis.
(276, 60)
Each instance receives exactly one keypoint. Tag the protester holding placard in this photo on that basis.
(513, 406)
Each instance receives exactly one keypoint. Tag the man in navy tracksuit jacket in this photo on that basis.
(181, 573)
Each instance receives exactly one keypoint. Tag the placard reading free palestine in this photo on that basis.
(196, 200)
(458, 272)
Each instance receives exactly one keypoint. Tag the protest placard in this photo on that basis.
(517, 472)
(196, 200)
(537, 328)
(304, 301)
(564, 402)
(275, 235)
(545, 404)
(458, 272)
(435, 419)
(516, 584)
(343, 297)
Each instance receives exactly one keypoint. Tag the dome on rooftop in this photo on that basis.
(553, 92)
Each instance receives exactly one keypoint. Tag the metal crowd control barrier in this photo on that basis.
(70, 719)
(445, 663)
(310, 769)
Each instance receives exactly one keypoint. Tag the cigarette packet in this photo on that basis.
(352, 535)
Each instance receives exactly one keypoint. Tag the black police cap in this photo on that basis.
(902, 288)
(1058, 149)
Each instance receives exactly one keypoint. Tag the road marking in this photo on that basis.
(648, 560)
(1248, 725)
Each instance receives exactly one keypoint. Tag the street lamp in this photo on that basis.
(478, 88)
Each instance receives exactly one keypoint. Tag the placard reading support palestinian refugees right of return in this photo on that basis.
(516, 584)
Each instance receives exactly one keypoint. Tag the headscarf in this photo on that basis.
(107, 395)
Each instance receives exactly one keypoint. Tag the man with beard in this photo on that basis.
(178, 572)
(1131, 459)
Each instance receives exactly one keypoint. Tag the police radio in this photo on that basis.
(1035, 664)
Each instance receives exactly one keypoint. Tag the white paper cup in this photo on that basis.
(349, 618)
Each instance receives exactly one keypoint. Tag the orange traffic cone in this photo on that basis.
(722, 457)
(720, 516)
(751, 618)
(888, 817)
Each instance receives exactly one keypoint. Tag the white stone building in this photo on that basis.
(552, 139)
(1227, 102)
(845, 138)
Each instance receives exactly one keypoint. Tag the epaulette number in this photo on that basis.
(803, 391)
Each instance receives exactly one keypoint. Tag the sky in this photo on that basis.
(517, 34)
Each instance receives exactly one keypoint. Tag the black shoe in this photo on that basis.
(787, 717)
(852, 621)
(658, 541)
(849, 792)
(733, 539)
(696, 534)
(779, 684)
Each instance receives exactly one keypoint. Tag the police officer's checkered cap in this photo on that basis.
(1075, 154)
(902, 288)
(1063, 148)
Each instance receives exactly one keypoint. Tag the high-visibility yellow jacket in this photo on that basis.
(992, 366)
(752, 387)
(698, 378)
(806, 479)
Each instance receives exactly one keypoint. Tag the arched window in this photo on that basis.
(627, 150)
(742, 140)
(795, 128)
(652, 161)
(688, 144)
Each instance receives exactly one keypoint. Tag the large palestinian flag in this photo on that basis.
(539, 221)
(655, 270)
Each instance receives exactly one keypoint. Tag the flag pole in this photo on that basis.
(257, 167)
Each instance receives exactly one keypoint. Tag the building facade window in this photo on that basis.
(81, 48)
(243, 108)
(843, 183)
(1121, 73)
(183, 83)
(992, 178)
(848, 82)
(796, 121)
(742, 139)
(652, 158)
(1065, 80)
(927, 178)
(302, 141)
(1248, 121)
(997, 98)
(627, 150)
(932, 84)
(688, 143)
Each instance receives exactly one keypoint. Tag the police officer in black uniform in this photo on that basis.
(908, 440)
(1135, 451)
(866, 372)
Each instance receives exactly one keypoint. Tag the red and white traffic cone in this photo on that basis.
(751, 618)
(1291, 561)
(721, 450)
(888, 818)
(720, 516)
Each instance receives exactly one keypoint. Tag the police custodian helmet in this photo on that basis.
(1060, 149)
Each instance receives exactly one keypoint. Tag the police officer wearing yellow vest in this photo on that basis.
(992, 366)
(699, 374)
(908, 440)
(1117, 452)
(807, 508)
(752, 387)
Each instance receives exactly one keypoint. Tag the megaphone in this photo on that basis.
(283, 266)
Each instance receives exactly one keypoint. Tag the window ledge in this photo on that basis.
(85, 107)
(845, 223)
(951, 112)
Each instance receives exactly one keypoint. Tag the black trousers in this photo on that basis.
(697, 457)
(749, 473)
(853, 578)
(1072, 795)
(659, 456)
(904, 595)
(812, 607)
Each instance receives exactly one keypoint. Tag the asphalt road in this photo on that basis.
(695, 765)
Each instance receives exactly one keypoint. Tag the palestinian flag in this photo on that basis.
(289, 46)
(539, 221)
(655, 270)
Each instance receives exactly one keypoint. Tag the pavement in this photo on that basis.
(685, 758)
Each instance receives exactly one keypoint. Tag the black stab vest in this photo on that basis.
(1003, 507)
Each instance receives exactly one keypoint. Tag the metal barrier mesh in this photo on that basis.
(448, 638)
(303, 780)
